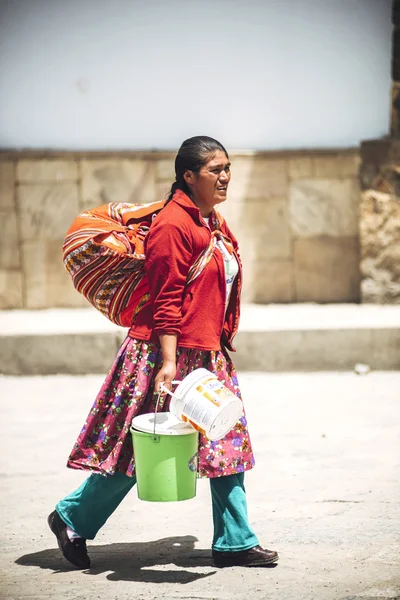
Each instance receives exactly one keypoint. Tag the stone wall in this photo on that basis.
(295, 215)
(380, 221)
(380, 198)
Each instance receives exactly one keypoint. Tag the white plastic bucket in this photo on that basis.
(202, 400)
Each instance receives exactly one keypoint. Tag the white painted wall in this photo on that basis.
(130, 74)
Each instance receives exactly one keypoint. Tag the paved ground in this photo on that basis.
(325, 494)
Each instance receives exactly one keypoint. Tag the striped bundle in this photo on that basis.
(104, 255)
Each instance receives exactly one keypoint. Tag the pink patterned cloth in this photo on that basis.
(104, 445)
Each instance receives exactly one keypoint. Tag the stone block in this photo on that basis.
(272, 281)
(349, 164)
(302, 350)
(340, 164)
(309, 165)
(374, 219)
(327, 269)
(47, 210)
(7, 184)
(255, 178)
(379, 222)
(331, 349)
(9, 241)
(385, 348)
(55, 354)
(326, 166)
(377, 289)
(11, 291)
(381, 151)
(325, 206)
(380, 243)
(300, 167)
(46, 170)
(117, 180)
(261, 227)
(46, 281)
(165, 170)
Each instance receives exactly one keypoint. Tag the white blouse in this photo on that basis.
(230, 264)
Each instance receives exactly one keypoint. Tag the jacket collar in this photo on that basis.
(185, 202)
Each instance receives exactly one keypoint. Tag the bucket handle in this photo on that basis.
(165, 389)
(162, 389)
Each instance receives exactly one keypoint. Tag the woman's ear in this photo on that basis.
(188, 176)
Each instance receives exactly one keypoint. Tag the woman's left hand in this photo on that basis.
(165, 376)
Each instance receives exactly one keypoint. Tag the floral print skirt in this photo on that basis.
(104, 444)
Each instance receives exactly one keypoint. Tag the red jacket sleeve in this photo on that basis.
(168, 249)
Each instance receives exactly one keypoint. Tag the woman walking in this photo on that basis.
(194, 273)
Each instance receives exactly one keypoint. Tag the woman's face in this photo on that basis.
(210, 186)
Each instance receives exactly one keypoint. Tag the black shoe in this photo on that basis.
(255, 557)
(73, 550)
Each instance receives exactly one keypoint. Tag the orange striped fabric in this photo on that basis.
(104, 255)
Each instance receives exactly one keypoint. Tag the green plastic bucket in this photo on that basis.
(165, 457)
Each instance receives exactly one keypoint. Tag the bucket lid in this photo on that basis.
(166, 424)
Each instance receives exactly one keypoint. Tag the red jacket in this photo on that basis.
(195, 313)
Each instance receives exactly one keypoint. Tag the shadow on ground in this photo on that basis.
(134, 561)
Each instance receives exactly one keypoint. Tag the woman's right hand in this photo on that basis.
(165, 375)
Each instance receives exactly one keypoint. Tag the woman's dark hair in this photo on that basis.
(192, 155)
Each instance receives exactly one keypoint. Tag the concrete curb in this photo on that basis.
(271, 338)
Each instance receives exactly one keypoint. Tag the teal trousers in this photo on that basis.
(87, 508)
